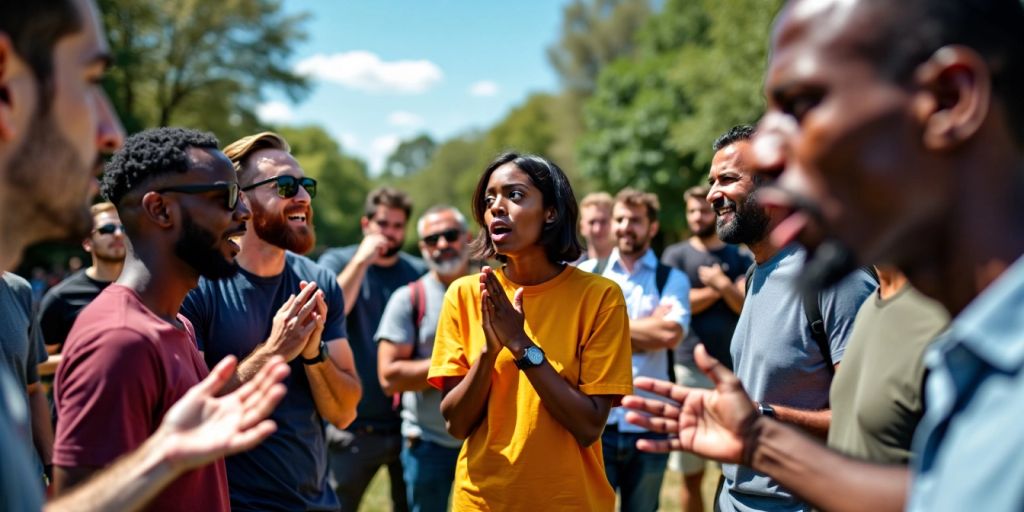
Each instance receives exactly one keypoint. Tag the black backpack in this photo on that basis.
(812, 312)
(661, 273)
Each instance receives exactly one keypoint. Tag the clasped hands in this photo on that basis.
(299, 324)
(503, 320)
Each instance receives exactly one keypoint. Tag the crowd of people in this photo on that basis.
(841, 330)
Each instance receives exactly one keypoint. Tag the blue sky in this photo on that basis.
(387, 70)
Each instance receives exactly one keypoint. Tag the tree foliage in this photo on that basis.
(410, 157)
(199, 64)
(651, 119)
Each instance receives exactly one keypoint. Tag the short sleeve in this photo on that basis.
(677, 295)
(396, 324)
(839, 306)
(54, 319)
(335, 327)
(606, 362)
(671, 257)
(106, 396)
(450, 341)
(334, 260)
(194, 309)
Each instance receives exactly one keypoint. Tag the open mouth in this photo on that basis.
(298, 218)
(500, 230)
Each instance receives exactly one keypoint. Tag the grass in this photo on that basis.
(377, 497)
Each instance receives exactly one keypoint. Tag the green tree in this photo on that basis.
(199, 64)
(410, 157)
(342, 184)
(651, 119)
(595, 33)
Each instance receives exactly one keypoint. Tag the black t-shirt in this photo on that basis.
(61, 305)
(714, 326)
(375, 409)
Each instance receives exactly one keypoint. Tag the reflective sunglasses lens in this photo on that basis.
(310, 185)
(232, 196)
(107, 229)
(287, 186)
(451, 235)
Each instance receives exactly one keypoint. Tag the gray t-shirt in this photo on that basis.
(21, 345)
(421, 410)
(779, 362)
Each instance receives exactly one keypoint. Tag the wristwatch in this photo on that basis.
(320, 357)
(765, 410)
(532, 356)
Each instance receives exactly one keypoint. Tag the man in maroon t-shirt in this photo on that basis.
(130, 355)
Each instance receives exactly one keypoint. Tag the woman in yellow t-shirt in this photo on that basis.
(530, 356)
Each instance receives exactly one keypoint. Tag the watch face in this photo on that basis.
(534, 355)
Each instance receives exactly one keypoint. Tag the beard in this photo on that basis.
(47, 174)
(274, 229)
(448, 261)
(393, 250)
(749, 221)
(198, 248)
(705, 231)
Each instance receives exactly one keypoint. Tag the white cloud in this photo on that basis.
(349, 141)
(366, 71)
(483, 88)
(380, 149)
(404, 119)
(275, 112)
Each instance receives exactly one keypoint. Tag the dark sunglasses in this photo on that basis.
(450, 236)
(109, 229)
(231, 189)
(288, 186)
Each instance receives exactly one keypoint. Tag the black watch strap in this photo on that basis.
(320, 357)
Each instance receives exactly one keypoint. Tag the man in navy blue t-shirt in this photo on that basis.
(237, 316)
(369, 273)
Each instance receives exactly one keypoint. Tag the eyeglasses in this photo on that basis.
(231, 188)
(109, 229)
(288, 186)
(449, 235)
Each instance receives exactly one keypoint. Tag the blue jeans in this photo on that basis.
(429, 473)
(354, 457)
(636, 475)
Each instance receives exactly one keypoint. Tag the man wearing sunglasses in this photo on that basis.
(405, 341)
(62, 303)
(235, 316)
(369, 273)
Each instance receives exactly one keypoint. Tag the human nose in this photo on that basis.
(497, 206)
(109, 132)
(767, 150)
(302, 195)
(242, 212)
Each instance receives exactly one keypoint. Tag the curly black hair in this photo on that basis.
(151, 153)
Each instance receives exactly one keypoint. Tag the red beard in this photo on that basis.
(274, 229)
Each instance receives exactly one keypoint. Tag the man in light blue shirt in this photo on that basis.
(657, 300)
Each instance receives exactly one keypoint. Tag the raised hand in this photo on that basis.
(371, 248)
(202, 427)
(712, 423)
(319, 319)
(293, 323)
(713, 276)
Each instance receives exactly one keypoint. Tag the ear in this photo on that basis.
(158, 209)
(654, 228)
(7, 95)
(550, 216)
(87, 245)
(957, 96)
(364, 223)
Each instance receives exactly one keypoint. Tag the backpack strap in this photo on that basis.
(661, 273)
(812, 310)
(418, 298)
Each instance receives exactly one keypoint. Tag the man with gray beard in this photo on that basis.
(405, 340)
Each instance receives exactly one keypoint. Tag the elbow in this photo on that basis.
(457, 431)
(387, 385)
(343, 418)
(587, 435)
(671, 337)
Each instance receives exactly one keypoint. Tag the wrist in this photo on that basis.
(311, 350)
(518, 345)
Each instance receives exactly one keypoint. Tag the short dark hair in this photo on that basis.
(697, 192)
(912, 30)
(735, 134)
(149, 154)
(559, 238)
(34, 27)
(389, 197)
(633, 197)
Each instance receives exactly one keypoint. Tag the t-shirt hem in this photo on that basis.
(606, 389)
(435, 378)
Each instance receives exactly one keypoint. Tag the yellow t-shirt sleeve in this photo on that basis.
(450, 342)
(606, 366)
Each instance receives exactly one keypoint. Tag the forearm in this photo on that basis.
(733, 295)
(336, 392)
(823, 477)
(404, 375)
(703, 298)
(579, 413)
(815, 423)
(463, 406)
(128, 484)
(653, 333)
(248, 368)
(350, 280)
(42, 425)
